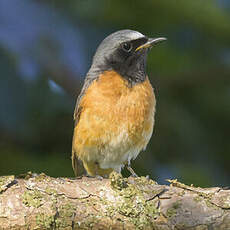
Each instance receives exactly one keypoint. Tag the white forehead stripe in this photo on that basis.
(135, 35)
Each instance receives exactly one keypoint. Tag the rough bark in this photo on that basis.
(42, 202)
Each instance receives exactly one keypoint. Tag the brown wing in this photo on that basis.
(76, 162)
(77, 110)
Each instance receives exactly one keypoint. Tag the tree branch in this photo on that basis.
(42, 202)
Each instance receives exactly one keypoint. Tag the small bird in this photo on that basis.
(114, 113)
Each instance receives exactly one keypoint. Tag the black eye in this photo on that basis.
(127, 47)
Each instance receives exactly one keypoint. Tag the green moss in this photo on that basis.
(117, 181)
(144, 181)
(32, 198)
(26, 175)
(90, 223)
(150, 208)
(172, 211)
(129, 192)
(197, 198)
(45, 221)
(181, 193)
(210, 204)
(51, 191)
(66, 210)
(65, 213)
(42, 177)
(224, 202)
(206, 198)
(131, 202)
(128, 209)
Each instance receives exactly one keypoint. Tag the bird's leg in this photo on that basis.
(147, 177)
(133, 174)
(96, 172)
(96, 176)
(99, 177)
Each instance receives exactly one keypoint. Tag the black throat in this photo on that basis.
(133, 69)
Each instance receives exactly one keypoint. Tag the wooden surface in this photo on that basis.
(42, 202)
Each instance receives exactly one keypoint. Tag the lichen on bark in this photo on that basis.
(42, 202)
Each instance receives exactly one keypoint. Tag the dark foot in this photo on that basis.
(80, 177)
(97, 177)
(133, 174)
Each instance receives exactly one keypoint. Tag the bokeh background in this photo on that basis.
(46, 47)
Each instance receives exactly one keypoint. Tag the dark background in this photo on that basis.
(46, 48)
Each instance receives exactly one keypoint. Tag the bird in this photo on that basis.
(114, 112)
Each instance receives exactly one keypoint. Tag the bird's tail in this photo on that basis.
(77, 165)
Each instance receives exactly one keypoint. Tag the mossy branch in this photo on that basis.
(43, 202)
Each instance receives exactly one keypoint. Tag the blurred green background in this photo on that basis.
(46, 48)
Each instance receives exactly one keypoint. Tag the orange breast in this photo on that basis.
(116, 120)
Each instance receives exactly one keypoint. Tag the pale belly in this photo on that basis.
(123, 148)
(111, 143)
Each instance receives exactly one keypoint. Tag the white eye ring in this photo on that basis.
(127, 46)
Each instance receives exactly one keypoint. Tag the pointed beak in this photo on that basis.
(150, 43)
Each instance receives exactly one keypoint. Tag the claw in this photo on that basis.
(133, 174)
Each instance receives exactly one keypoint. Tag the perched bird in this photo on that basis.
(114, 113)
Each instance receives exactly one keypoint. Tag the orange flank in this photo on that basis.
(115, 123)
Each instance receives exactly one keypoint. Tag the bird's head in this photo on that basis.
(125, 51)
